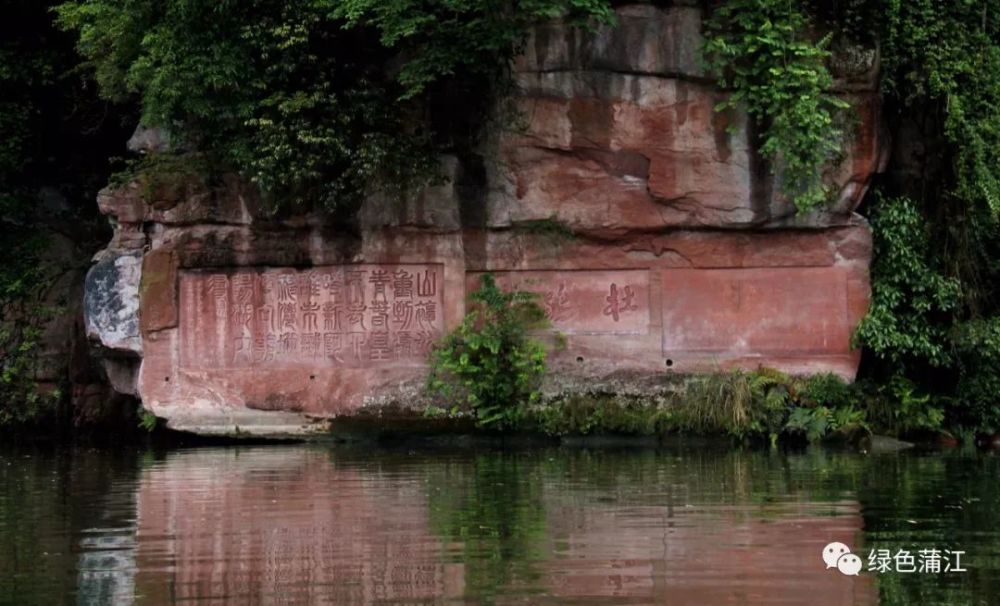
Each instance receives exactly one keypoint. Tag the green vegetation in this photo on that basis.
(760, 406)
(320, 102)
(147, 420)
(910, 294)
(936, 303)
(166, 177)
(22, 320)
(747, 406)
(552, 230)
(489, 363)
(54, 150)
(942, 61)
(23, 280)
(600, 414)
(317, 101)
(761, 50)
(934, 320)
(763, 406)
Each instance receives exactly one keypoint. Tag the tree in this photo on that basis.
(317, 101)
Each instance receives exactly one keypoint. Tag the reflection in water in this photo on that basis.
(107, 566)
(310, 525)
(293, 524)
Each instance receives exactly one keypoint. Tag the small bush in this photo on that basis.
(489, 363)
(715, 402)
(910, 295)
(147, 420)
(912, 410)
(829, 390)
(978, 346)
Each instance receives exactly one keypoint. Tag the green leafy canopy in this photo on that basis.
(315, 101)
(760, 49)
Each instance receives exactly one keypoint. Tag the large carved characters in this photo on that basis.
(585, 302)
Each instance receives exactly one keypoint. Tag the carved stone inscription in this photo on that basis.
(351, 316)
(584, 302)
(757, 311)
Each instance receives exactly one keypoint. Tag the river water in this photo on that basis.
(292, 524)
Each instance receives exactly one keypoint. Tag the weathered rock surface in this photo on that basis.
(656, 237)
(149, 140)
(621, 133)
(64, 360)
(111, 302)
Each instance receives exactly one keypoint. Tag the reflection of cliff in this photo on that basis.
(307, 525)
(284, 525)
(704, 557)
(722, 528)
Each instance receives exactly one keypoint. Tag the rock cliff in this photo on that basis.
(656, 236)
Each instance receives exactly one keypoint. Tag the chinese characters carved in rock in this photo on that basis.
(352, 316)
(614, 302)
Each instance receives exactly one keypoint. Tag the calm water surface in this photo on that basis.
(319, 525)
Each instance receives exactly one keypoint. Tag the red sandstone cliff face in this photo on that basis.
(683, 256)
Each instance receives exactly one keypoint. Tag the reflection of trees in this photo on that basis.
(491, 507)
(936, 501)
(711, 476)
(501, 514)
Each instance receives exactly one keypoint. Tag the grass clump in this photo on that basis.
(763, 405)
(736, 403)
(588, 414)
